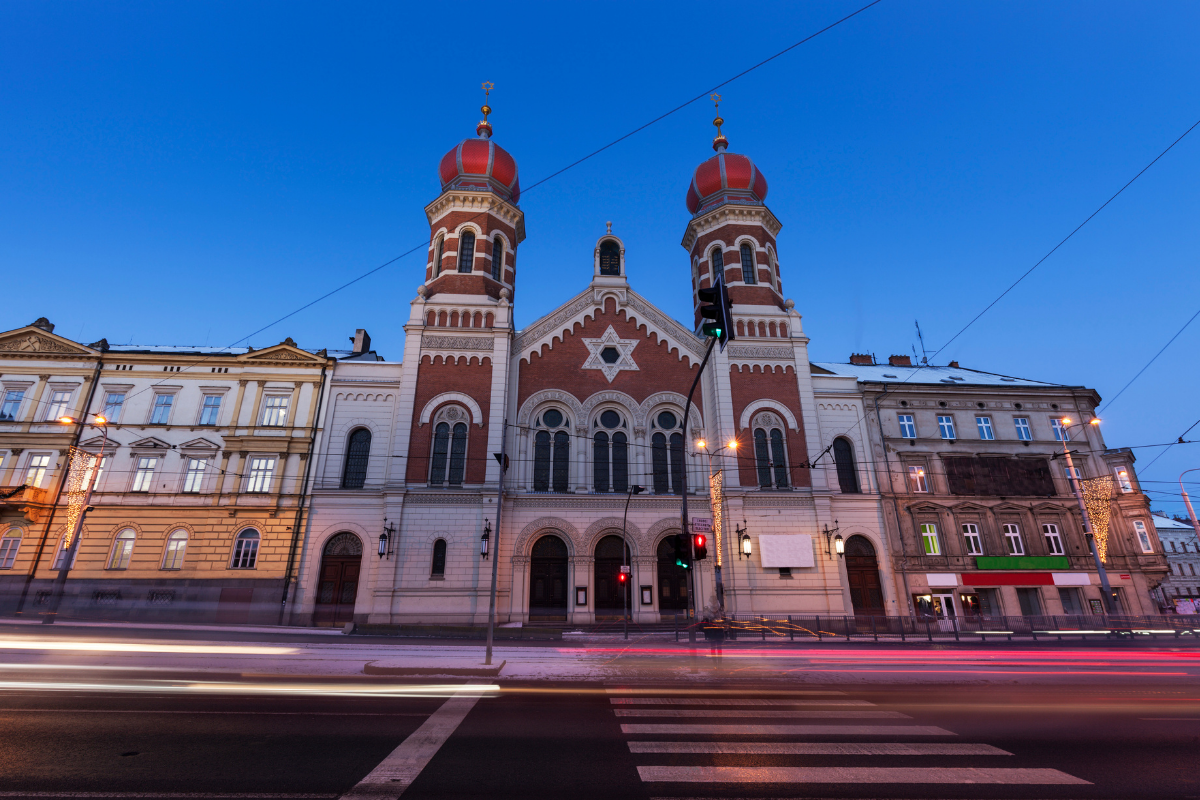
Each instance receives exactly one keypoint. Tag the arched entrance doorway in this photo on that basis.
(608, 586)
(548, 579)
(337, 586)
(672, 580)
(862, 573)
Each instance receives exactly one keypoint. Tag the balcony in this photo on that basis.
(31, 502)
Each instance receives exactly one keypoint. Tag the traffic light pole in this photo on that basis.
(683, 514)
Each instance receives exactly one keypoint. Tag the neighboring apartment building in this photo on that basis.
(1182, 547)
(197, 500)
(979, 509)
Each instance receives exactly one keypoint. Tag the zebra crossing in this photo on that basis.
(680, 739)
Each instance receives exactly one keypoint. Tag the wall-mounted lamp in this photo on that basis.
(743, 540)
(483, 540)
(386, 539)
(839, 546)
(829, 532)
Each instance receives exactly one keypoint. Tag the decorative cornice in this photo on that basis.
(730, 214)
(772, 500)
(456, 200)
(474, 343)
(760, 351)
(448, 499)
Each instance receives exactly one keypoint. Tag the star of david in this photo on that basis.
(610, 354)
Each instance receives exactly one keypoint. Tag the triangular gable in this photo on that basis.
(968, 507)
(150, 443)
(199, 444)
(32, 340)
(590, 302)
(284, 351)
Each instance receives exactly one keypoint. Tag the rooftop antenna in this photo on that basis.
(924, 353)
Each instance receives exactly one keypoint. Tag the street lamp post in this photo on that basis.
(1087, 522)
(732, 445)
(626, 585)
(1187, 501)
(69, 557)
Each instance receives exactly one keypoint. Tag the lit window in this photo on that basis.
(1061, 433)
(1123, 479)
(12, 405)
(916, 479)
(466, 251)
(1023, 432)
(946, 426)
(929, 539)
(908, 428)
(985, 427)
(193, 480)
(211, 409)
(245, 550)
(1143, 537)
(1012, 540)
(162, 409)
(1054, 544)
(275, 411)
(973, 539)
(9, 546)
(113, 401)
(36, 471)
(144, 476)
(749, 269)
(99, 473)
(122, 550)
(59, 405)
(262, 470)
(176, 547)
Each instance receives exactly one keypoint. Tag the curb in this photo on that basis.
(466, 672)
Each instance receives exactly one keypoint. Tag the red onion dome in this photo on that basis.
(726, 178)
(481, 164)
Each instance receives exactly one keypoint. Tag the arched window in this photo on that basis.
(122, 550)
(358, 450)
(466, 251)
(610, 452)
(749, 268)
(449, 460)
(441, 251)
(497, 258)
(60, 557)
(843, 457)
(9, 546)
(770, 452)
(438, 568)
(666, 447)
(551, 452)
(175, 549)
(245, 550)
(610, 258)
(717, 260)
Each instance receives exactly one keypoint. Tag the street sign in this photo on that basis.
(625, 569)
(702, 525)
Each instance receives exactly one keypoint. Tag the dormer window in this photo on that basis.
(466, 251)
(749, 270)
(610, 259)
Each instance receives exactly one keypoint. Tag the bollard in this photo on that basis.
(818, 626)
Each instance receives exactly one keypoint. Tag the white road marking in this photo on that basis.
(858, 775)
(397, 772)
(732, 701)
(249, 713)
(724, 712)
(634, 690)
(789, 730)
(821, 748)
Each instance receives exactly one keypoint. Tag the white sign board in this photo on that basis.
(702, 525)
(786, 551)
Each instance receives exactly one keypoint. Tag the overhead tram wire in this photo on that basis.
(1172, 444)
(1152, 360)
(526, 190)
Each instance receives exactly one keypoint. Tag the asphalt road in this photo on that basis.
(272, 738)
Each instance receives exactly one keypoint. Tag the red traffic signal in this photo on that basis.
(701, 546)
(622, 577)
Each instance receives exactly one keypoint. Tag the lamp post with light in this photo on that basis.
(60, 582)
(625, 576)
(1107, 594)
(1187, 501)
(703, 445)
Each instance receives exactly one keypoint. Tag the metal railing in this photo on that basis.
(820, 628)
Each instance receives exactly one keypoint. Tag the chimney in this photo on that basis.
(953, 365)
(900, 361)
(862, 359)
(44, 324)
(362, 341)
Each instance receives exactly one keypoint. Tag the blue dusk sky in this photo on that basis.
(186, 173)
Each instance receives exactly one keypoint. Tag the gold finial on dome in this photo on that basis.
(720, 142)
(484, 128)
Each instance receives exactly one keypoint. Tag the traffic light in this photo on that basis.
(679, 541)
(715, 306)
(622, 578)
(701, 546)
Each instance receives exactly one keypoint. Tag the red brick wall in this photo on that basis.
(482, 265)
(435, 376)
(659, 369)
(763, 294)
(747, 386)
